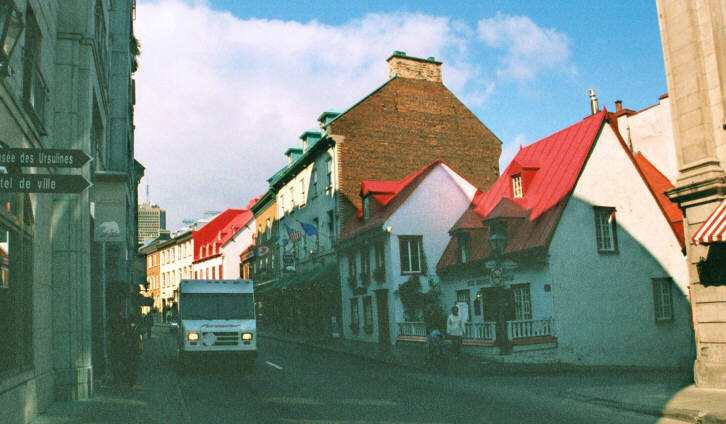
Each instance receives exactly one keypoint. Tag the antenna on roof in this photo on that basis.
(593, 101)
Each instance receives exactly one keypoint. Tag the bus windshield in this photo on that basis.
(217, 306)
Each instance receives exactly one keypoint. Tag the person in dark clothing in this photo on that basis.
(148, 323)
(124, 347)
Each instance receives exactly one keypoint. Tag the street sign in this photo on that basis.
(44, 158)
(42, 183)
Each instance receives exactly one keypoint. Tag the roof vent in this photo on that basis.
(593, 101)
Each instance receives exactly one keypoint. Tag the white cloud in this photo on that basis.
(220, 99)
(529, 49)
(510, 150)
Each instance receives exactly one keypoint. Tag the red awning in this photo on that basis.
(714, 229)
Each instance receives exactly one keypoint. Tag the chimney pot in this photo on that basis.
(618, 105)
(594, 108)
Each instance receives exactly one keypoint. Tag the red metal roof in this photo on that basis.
(219, 231)
(659, 184)
(559, 159)
(549, 169)
(714, 229)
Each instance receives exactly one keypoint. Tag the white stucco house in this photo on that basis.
(398, 234)
(219, 243)
(592, 270)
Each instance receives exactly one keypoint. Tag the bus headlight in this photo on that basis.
(192, 336)
(246, 336)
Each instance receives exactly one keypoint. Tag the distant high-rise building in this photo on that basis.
(152, 218)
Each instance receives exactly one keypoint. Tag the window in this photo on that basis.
(517, 186)
(329, 167)
(368, 314)
(331, 227)
(352, 265)
(314, 188)
(35, 90)
(605, 229)
(302, 191)
(292, 198)
(268, 229)
(220, 272)
(522, 302)
(380, 256)
(410, 249)
(366, 207)
(16, 283)
(354, 316)
(365, 266)
(281, 212)
(464, 243)
(214, 273)
(663, 299)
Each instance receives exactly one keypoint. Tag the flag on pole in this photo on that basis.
(293, 235)
(308, 228)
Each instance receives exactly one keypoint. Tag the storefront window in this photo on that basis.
(16, 283)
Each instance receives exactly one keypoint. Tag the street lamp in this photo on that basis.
(498, 242)
(11, 26)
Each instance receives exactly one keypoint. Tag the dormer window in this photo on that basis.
(464, 243)
(366, 208)
(517, 186)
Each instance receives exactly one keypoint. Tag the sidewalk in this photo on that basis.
(652, 392)
(154, 399)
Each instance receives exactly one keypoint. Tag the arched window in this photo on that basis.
(16, 282)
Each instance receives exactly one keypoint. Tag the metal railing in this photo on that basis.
(530, 328)
(412, 328)
(481, 330)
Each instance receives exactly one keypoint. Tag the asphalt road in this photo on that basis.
(290, 384)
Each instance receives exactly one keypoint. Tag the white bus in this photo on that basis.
(216, 317)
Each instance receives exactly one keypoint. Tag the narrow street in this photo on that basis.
(290, 384)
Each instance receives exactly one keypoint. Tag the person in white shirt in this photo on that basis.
(455, 329)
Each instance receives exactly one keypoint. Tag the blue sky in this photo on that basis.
(225, 86)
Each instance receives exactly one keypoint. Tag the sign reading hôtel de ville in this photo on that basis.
(42, 183)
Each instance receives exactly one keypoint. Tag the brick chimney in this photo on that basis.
(413, 67)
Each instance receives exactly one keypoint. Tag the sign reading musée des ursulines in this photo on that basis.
(45, 158)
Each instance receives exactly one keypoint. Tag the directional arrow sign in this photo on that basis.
(45, 158)
(42, 183)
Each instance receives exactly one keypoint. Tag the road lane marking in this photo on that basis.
(295, 401)
(273, 365)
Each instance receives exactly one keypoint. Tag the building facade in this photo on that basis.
(67, 84)
(577, 275)
(694, 51)
(405, 124)
(219, 244)
(387, 245)
(152, 218)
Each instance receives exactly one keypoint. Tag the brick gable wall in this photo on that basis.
(404, 126)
